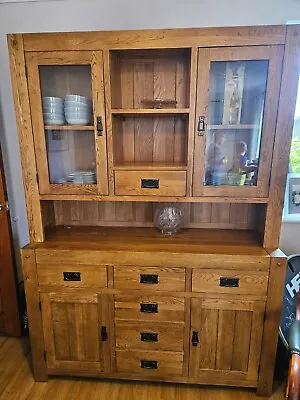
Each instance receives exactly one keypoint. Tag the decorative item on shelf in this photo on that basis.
(82, 177)
(159, 103)
(169, 218)
(78, 109)
(234, 86)
(53, 111)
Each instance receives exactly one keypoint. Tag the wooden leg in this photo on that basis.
(34, 316)
(272, 321)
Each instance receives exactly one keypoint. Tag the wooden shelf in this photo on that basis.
(150, 167)
(69, 127)
(150, 111)
(196, 241)
(233, 127)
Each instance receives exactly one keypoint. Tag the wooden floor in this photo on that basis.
(17, 383)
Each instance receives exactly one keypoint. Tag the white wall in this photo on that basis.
(71, 15)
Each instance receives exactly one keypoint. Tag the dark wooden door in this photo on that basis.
(9, 315)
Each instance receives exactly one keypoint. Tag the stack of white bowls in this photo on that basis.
(82, 177)
(53, 110)
(78, 110)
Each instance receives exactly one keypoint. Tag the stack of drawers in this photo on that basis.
(149, 329)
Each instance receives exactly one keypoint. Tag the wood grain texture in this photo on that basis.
(168, 279)
(34, 315)
(164, 38)
(169, 308)
(284, 129)
(170, 183)
(22, 110)
(278, 264)
(169, 336)
(53, 275)
(249, 282)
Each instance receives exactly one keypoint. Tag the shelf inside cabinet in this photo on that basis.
(69, 128)
(232, 127)
(130, 166)
(150, 111)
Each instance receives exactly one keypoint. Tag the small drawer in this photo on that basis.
(150, 183)
(149, 308)
(72, 275)
(149, 363)
(230, 281)
(150, 278)
(149, 336)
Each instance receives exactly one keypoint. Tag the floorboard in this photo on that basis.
(17, 383)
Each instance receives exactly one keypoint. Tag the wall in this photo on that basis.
(71, 15)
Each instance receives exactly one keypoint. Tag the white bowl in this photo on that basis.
(78, 115)
(53, 115)
(52, 110)
(52, 101)
(76, 97)
(78, 121)
(77, 104)
(57, 121)
(77, 109)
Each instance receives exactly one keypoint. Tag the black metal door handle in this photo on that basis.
(104, 335)
(149, 308)
(149, 183)
(72, 276)
(99, 126)
(195, 338)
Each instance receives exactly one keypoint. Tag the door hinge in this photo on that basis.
(40, 306)
(7, 206)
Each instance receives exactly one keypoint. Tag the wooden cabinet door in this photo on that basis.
(66, 94)
(236, 110)
(76, 332)
(225, 341)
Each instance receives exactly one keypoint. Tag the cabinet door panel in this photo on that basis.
(72, 331)
(229, 339)
(69, 131)
(237, 100)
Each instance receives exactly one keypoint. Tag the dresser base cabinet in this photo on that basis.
(175, 317)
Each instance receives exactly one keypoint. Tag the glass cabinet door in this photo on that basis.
(68, 117)
(237, 97)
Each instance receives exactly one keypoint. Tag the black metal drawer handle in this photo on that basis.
(149, 364)
(149, 308)
(149, 279)
(149, 183)
(229, 282)
(149, 337)
(72, 276)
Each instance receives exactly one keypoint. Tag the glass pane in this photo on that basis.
(295, 146)
(71, 156)
(68, 118)
(237, 94)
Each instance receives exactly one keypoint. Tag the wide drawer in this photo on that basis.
(230, 281)
(149, 336)
(150, 183)
(149, 363)
(149, 308)
(150, 278)
(72, 275)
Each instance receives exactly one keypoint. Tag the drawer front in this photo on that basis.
(150, 183)
(149, 336)
(149, 363)
(230, 281)
(149, 278)
(149, 308)
(72, 275)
